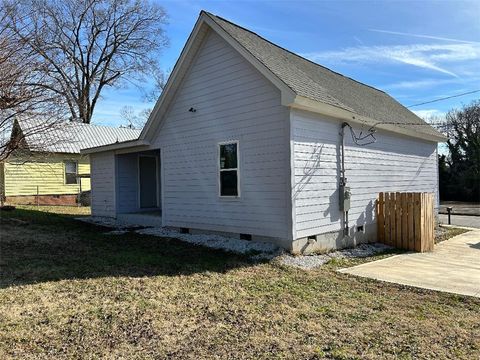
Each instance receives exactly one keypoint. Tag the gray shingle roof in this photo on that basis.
(71, 137)
(321, 84)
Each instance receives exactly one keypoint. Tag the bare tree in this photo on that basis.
(88, 45)
(134, 120)
(19, 99)
(159, 81)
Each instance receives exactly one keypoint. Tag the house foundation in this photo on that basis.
(66, 200)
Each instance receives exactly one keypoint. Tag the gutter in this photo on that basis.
(302, 103)
(116, 146)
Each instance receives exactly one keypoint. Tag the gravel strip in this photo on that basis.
(257, 250)
(440, 231)
(308, 262)
(118, 227)
(262, 250)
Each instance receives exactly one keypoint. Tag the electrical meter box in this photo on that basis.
(345, 198)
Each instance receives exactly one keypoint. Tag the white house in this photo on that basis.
(247, 139)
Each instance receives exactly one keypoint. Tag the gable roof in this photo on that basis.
(70, 137)
(318, 83)
(303, 85)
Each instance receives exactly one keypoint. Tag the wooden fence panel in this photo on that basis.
(406, 220)
(411, 234)
(387, 219)
(430, 225)
(391, 211)
(381, 218)
(417, 218)
(423, 220)
(398, 220)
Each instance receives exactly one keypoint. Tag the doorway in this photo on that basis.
(148, 181)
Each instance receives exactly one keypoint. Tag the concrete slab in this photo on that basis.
(453, 266)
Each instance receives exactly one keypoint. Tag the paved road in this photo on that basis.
(460, 208)
(454, 266)
(468, 221)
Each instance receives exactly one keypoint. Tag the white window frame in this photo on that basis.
(219, 145)
(65, 172)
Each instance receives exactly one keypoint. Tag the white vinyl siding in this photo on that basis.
(103, 184)
(233, 102)
(393, 163)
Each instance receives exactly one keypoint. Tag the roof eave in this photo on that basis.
(303, 103)
(175, 78)
(116, 146)
(43, 151)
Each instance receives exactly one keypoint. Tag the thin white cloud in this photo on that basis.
(435, 57)
(429, 114)
(411, 59)
(416, 84)
(357, 39)
(430, 83)
(423, 36)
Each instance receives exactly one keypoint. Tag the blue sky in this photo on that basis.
(414, 50)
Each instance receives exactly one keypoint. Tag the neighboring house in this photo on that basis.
(48, 168)
(246, 139)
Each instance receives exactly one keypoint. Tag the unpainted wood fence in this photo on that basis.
(406, 220)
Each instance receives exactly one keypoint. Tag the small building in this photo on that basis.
(48, 169)
(255, 141)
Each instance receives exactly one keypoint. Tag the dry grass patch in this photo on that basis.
(447, 233)
(69, 291)
(63, 210)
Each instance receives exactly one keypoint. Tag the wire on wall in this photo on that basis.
(363, 139)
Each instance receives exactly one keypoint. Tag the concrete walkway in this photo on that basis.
(454, 266)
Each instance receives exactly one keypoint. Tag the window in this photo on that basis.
(71, 172)
(229, 169)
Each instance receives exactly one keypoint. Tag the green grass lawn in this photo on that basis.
(67, 290)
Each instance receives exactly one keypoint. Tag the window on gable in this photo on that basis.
(71, 172)
(229, 171)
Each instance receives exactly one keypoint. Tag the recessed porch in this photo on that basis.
(138, 188)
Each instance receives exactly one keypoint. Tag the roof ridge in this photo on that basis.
(74, 123)
(101, 126)
(293, 53)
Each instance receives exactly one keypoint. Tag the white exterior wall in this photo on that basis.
(393, 163)
(102, 172)
(233, 101)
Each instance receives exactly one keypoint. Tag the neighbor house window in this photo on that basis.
(229, 184)
(71, 172)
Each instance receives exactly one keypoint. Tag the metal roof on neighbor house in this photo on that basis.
(321, 84)
(71, 137)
